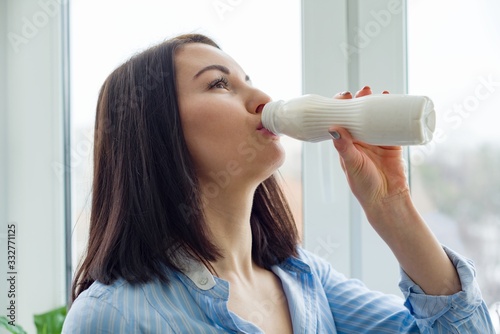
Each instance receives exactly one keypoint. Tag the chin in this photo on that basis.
(261, 162)
(276, 161)
(282, 158)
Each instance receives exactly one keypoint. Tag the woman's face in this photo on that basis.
(221, 118)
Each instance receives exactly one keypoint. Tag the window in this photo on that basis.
(453, 58)
(104, 34)
(344, 45)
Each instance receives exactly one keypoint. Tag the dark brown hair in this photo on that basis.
(146, 203)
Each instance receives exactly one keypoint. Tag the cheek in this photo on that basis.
(212, 139)
(212, 129)
(205, 116)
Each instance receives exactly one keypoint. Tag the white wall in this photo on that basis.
(30, 142)
(3, 148)
(3, 114)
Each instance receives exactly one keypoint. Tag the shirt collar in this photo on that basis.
(296, 265)
(198, 273)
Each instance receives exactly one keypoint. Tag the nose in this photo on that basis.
(256, 101)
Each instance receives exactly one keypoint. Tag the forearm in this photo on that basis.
(419, 253)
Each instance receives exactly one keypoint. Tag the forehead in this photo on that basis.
(190, 58)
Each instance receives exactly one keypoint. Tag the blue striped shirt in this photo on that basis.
(320, 300)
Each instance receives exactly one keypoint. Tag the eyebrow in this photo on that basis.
(216, 67)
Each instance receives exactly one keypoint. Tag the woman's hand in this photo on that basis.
(376, 174)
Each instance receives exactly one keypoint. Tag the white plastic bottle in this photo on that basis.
(378, 119)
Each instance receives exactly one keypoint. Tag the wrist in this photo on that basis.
(416, 248)
(390, 207)
(395, 218)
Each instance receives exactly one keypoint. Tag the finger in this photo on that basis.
(343, 142)
(366, 90)
(343, 95)
(385, 92)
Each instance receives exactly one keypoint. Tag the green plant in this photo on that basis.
(47, 323)
(4, 322)
(50, 322)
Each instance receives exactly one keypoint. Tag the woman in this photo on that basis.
(190, 232)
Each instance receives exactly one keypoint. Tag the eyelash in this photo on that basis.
(221, 79)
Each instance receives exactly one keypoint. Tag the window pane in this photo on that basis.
(106, 33)
(453, 58)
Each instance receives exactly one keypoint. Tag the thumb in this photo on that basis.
(343, 142)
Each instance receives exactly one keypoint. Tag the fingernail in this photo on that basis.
(335, 135)
(345, 93)
(365, 87)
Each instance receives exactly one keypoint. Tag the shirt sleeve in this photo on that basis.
(90, 315)
(357, 309)
(462, 312)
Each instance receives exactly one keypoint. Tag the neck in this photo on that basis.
(228, 218)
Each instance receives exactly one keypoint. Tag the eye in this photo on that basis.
(220, 82)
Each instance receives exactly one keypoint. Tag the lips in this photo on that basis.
(266, 132)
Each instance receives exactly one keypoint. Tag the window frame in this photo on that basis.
(346, 45)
